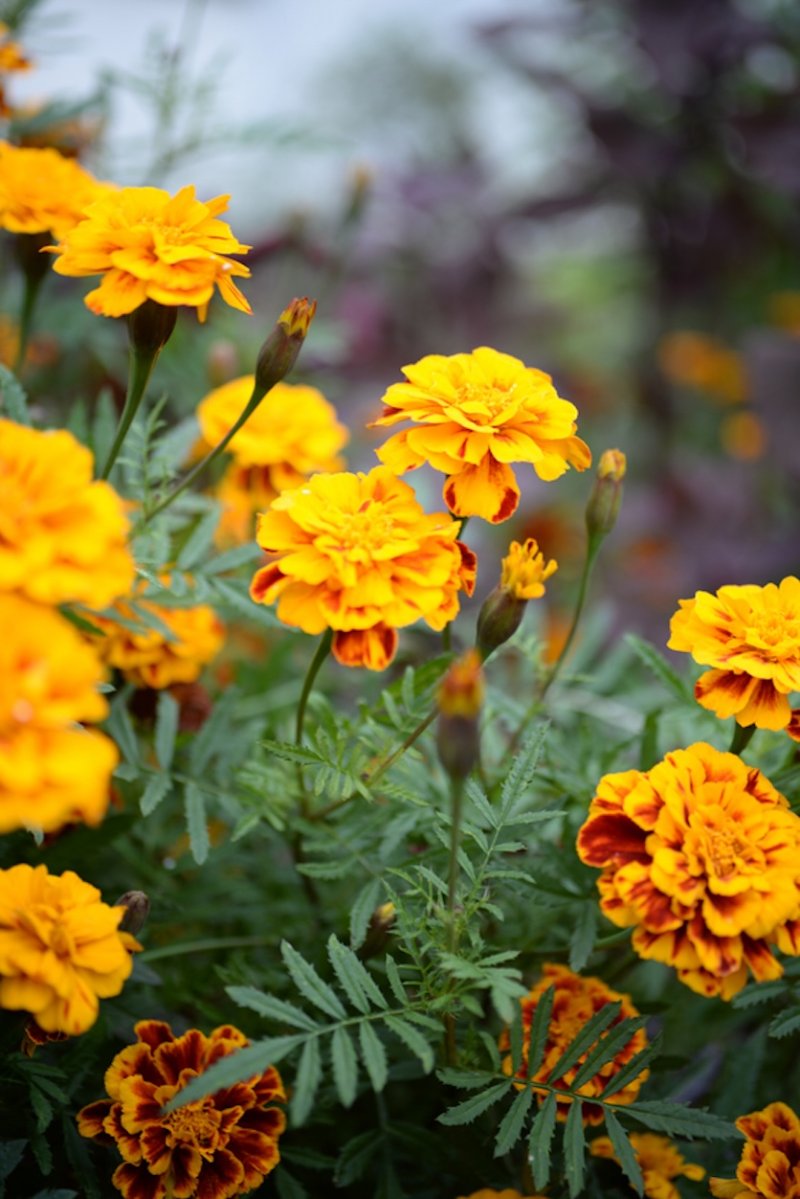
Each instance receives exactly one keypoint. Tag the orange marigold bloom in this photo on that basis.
(575, 1001)
(60, 948)
(149, 245)
(696, 360)
(473, 415)
(702, 855)
(769, 1167)
(148, 657)
(659, 1159)
(292, 434)
(50, 773)
(43, 192)
(357, 554)
(215, 1148)
(750, 636)
(62, 536)
(12, 58)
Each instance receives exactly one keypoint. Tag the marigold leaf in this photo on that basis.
(345, 1066)
(309, 983)
(167, 713)
(785, 1023)
(513, 1121)
(361, 912)
(288, 1186)
(515, 1037)
(271, 1008)
(354, 977)
(633, 1068)
(240, 555)
(624, 1151)
(199, 541)
(520, 776)
(583, 937)
(13, 398)
(356, 1156)
(214, 733)
(540, 1025)
(659, 666)
(413, 1039)
(395, 981)
(540, 1140)
(236, 1067)
(196, 822)
(607, 1049)
(467, 1080)
(574, 1149)
(307, 1078)
(470, 1109)
(119, 727)
(759, 993)
(678, 1120)
(373, 1055)
(158, 786)
(590, 1032)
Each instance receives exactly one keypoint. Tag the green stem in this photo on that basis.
(413, 736)
(29, 296)
(322, 651)
(140, 366)
(592, 549)
(452, 878)
(741, 738)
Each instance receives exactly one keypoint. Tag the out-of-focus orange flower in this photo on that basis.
(784, 311)
(12, 59)
(473, 415)
(43, 192)
(219, 1147)
(701, 855)
(743, 436)
(659, 1159)
(750, 636)
(575, 1001)
(769, 1167)
(696, 360)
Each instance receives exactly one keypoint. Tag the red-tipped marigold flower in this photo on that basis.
(219, 1147)
(61, 950)
(473, 415)
(575, 1001)
(356, 553)
(701, 855)
(769, 1167)
(522, 578)
(750, 636)
(659, 1159)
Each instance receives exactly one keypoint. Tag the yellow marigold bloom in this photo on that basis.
(659, 1159)
(473, 415)
(147, 657)
(219, 1147)
(702, 856)
(60, 948)
(62, 536)
(575, 1001)
(769, 1167)
(696, 360)
(750, 636)
(356, 553)
(43, 192)
(149, 245)
(292, 434)
(524, 570)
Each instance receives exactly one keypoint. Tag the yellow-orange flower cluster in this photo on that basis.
(473, 415)
(62, 537)
(659, 1160)
(292, 434)
(697, 360)
(146, 655)
(215, 1148)
(702, 856)
(43, 192)
(575, 1001)
(51, 771)
(149, 245)
(524, 571)
(750, 636)
(769, 1167)
(356, 554)
(61, 950)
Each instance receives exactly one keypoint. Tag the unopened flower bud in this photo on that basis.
(603, 506)
(522, 578)
(459, 699)
(279, 352)
(150, 327)
(137, 907)
(378, 930)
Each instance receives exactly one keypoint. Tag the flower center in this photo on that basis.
(484, 401)
(367, 529)
(196, 1125)
(774, 631)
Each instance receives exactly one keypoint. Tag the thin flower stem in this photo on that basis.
(592, 550)
(140, 366)
(322, 651)
(741, 738)
(452, 879)
(29, 296)
(413, 736)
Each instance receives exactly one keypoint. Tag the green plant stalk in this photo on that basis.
(413, 736)
(322, 651)
(30, 295)
(741, 738)
(457, 794)
(592, 550)
(140, 367)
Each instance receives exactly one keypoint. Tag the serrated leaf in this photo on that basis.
(345, 1066)
(196, 822)
(213, 734)
(540, 1139)
(271, 1008)
(523, 769)
(470, 1109)
(583, 937)
(659, 666)
(633, 1068)
(199, 541)
(13, 400)
(354, 977)
(574, 1149)
(307, 1079)
(675, 1119)
(624, 1151)
(236, 1067)
(587, 1036)
(394, 980)
(240, 555)
(759, 993)
(373, 1055)
(607, 1049)
(540, 1025)
(42, 1108)
(167, 713)
(119, 727)
(157, 788)
(356, 1156)
(513, 1122)
(515, 1037)
(785, 1023)
(309, 983)
(413, 1039)
(361, 912)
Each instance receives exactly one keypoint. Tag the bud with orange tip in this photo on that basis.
(279, 352)
(602, 508)
(522, 578)
(459, 699)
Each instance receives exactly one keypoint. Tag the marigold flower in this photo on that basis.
(62, 537)
(12, 58)
(769, 1167)
(659, 1159)
(524, 571)
(473, 415)
(702, 856)
(43, 192)
(750, 636)
(697, 360)
(215, 1148)
(575, 1001)
(149, 245)
(148, 657)
(355, 553)
(60, 948)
